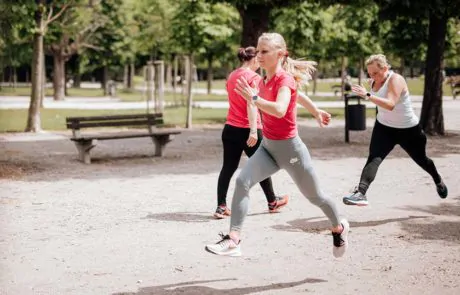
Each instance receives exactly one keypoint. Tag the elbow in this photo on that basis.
(391, 107)
(280, 113)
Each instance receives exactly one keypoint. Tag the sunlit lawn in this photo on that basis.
(54, 119)
(415, 87)
(26, 91)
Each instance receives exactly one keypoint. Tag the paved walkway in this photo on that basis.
(101, 103)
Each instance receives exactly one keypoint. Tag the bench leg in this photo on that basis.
(83, 149)
(160, 142)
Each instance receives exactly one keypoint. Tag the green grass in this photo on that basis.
(168, 96)
(54, 119)
(26, 91)
(415, 85)
(216, 84)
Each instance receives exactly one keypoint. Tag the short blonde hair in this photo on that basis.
(379, 59)
(301, 70)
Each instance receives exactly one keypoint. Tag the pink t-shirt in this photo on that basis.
(237, 113)
(285, 127)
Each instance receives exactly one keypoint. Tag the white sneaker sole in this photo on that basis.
(358, 203)
(236, 252)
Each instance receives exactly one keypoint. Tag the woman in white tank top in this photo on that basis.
(396, 123)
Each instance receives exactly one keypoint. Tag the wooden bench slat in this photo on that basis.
(152, 122)
(114, 117)
(124, 135)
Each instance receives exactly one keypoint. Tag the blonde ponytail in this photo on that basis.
(301, 70)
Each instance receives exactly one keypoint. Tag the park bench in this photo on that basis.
(337, 88)
(84, 143)
(454, 82)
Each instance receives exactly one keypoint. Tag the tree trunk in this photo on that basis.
(15, 78)
(66, 92)
(43, 88)
(175, 76)
(33, 117)
(255, 22)
(131, 76)
(128, 76)
(188, 123)
(77, 75)
(105, 78)
(315, 80)
(59, 76)
(125, 76)
(168, 81)
(402, 68)
(343, 75)
(431, 118)
(361, 70)
(210, 73)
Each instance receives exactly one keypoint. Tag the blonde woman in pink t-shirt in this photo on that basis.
(242, 132)
(276, 97)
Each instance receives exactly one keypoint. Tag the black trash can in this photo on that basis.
(356, 117)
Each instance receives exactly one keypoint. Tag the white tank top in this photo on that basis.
(402, 115)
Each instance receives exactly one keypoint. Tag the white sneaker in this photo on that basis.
(225, 247)
(341, 240)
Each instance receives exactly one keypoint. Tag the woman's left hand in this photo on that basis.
(252, 139)
(359, 90)
(323, 118)
(245, 90)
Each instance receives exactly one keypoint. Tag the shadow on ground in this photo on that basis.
(311, 226)
(446, 230)
(196, 151)
(186, 288)
(181, 216)
(413, 227)
(445, 209)
(189, 216)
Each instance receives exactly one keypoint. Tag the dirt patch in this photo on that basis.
(16, 170)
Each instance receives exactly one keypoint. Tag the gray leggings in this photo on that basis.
(291, 155)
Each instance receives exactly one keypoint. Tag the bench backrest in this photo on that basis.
(148, 120)
(114, 121)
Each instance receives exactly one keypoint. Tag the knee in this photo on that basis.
(243, 183)
(374, 160)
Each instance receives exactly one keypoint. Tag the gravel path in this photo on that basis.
(133, 224)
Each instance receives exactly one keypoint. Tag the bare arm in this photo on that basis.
(252, 116)
(307, 103)
(321, 116)
(396, 85)
(276, 108)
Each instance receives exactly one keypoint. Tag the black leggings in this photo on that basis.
(234, 140)
(384, 139)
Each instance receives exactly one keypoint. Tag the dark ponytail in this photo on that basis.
(246, 54)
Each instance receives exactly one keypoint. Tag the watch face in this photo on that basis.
(254, 97)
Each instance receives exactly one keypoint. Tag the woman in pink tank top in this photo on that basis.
(276, 97)
(242, 132)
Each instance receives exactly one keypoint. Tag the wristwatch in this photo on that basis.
(368, 95)
(255, 97)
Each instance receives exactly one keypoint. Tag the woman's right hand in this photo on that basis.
(252, 139)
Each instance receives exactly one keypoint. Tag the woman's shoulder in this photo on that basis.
(396, 77)
(285, 78)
